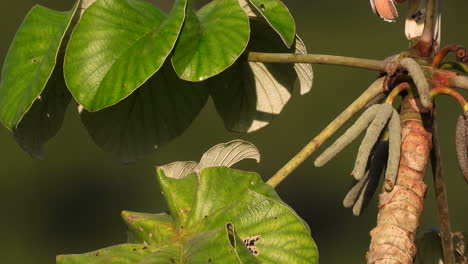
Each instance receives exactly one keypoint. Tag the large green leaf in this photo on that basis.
(116, 47)
(233, 217)
(279, 18)
(211, 40)
(44, 119)
(156, 113)
(30, 61)
(250, 94)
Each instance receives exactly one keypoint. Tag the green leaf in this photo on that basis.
(44, 119)
(120, 254)
(165, 255)
(211, 40)
(30, 61)
(179, 195)
(156, 113)
(116, 47)
(218, 246)
(231, 216)
(279, 18)
(149, 228)
(178, 179)
(250, 94)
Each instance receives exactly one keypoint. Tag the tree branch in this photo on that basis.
(459, 82)
(378, 65)
(374, 90)
(441, 197)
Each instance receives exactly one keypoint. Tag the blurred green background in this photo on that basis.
(71, 202)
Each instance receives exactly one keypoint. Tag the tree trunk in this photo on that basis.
(392, 240)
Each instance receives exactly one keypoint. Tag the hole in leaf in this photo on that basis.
(231, 234)
(250, 242)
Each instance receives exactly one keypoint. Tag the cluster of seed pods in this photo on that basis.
(379, 149)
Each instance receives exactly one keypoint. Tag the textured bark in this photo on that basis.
(392, 239)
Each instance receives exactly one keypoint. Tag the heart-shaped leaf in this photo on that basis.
(156, 113)
(211, 40)
(279, 18)
(116, 47)
(230, 216)
(250, 94)
(30, 61)
(44, 119)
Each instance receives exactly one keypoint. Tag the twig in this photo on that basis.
(441, 197)
(452, 93)
(378, 65)
(375, 89)
(459, 82)
(442, 53)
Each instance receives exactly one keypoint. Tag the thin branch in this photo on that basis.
(441, 197)
(459, 82)
(378, 65)
(375, 89)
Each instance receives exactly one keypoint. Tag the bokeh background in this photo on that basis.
(71, 201)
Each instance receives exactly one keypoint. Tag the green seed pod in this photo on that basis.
(376, 168)
(361, 123)
(353, 194)
(394, 128)
(368, 184)
(372, 135)
(357, 208)
(461, 145)
(419, 80)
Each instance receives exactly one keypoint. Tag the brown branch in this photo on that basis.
(441, 197)
(399, 210)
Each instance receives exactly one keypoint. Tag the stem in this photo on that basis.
(441, 197)
(378, 65)
(442, 53)
(459, 82)
(452, 93)
(375, 89)
(396, 91)
(459, 66)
